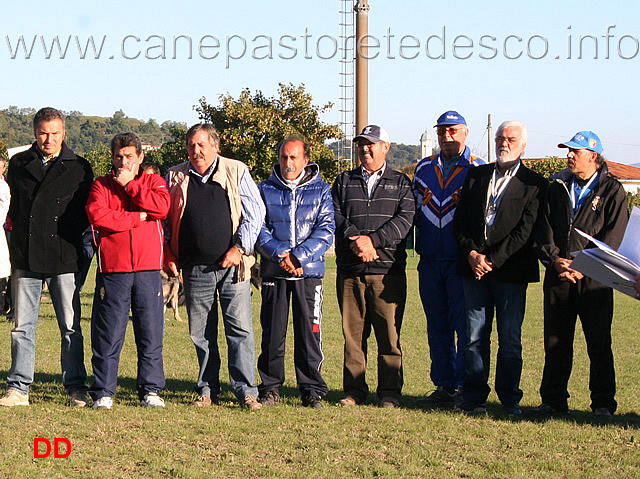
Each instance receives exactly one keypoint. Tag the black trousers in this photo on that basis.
(306, 296)
(593, 303)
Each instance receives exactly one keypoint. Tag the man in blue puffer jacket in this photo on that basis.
(298, 230)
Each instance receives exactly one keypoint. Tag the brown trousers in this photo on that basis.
(368, 301)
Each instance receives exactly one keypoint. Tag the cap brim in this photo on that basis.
(571, 144)
(372, 139)
(577, 146)
(449, 124)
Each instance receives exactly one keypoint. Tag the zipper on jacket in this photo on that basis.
(294, 239)
(570, 211)
(130, 236)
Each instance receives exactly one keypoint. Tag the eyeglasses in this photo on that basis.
(502, 139)
(452, 131)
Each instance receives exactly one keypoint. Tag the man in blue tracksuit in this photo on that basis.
(437, 184)
(298, 230)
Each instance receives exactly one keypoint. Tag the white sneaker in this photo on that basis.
(152, 400)
(104, 402)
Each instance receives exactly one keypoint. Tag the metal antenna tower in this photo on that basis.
(346, 83)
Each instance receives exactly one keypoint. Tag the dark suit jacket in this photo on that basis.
(510, 244)
(47, 210)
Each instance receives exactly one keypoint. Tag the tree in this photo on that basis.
(409, 170)
(100, 160)
(400, 155)
(633, 199)
(84, 133)
(252, 126)
(171, 152)
(547, 166)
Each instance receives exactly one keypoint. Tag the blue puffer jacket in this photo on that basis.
(299, 220)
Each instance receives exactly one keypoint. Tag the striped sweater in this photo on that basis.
(437, 198)
(386, 217)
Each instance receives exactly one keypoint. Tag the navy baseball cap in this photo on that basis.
(450, 117)
(587, 140)
(374, 134)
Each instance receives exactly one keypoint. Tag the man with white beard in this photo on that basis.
(494, 226)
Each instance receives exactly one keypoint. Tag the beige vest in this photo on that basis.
(227, 175)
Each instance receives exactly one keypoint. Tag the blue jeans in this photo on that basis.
(508, 300)
(202, 285)
(27, 290)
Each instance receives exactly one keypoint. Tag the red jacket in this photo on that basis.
(126, 243)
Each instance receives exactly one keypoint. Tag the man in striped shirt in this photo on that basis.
(374, 210)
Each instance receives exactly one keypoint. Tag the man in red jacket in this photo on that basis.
(127, 207)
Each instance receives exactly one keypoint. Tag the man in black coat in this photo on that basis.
(494, 226)
(49, 189)
(586, 198)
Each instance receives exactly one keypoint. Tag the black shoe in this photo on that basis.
(270, 398)
(312, 401)
(545, 410)
(513, 410)
(471, 409)
(602, 413)
(439, 397)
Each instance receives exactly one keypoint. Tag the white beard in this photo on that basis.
(506, 159)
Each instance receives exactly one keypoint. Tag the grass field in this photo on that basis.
(291, 441)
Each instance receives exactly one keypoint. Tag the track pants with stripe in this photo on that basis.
(305, 296)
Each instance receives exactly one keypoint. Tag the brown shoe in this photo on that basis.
(250, 402)
(348, 401)
(77, 399)
(389, 402)
(203, 401)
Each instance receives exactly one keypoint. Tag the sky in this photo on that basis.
(513, 60)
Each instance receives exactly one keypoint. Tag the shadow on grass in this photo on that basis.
(47, 388)
(494, 410)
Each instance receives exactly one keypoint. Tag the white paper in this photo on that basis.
(616, 269)
(630, 246)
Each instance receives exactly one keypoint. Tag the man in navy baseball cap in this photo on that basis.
(450, 117)
(437, 183)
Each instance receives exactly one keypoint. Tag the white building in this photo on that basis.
(426, 144)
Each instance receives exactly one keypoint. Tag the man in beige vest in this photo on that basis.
(215, 217)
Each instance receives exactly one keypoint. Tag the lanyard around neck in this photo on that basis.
(577, 202)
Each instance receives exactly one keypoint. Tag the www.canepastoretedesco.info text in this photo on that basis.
(232, 48)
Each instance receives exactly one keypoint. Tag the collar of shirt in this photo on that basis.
(47, 158)
(295, 182)
(499, 183)
(451, 161)
(366, 175)
(578, 194)
(372, 179)
(508, 173)
(447, 164)
(207, 174)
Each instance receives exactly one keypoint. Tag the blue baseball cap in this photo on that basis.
(587, 140)
(450, 118)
